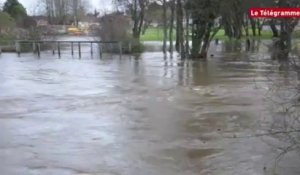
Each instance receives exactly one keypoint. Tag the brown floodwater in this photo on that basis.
(139, 115)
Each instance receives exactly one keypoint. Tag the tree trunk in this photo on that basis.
(141, 17)
(227, 26)
(273, 28)
(177, 27)
(246, 26)
(187, 40)
(75, 12)
(237, 27)
(283, 46)
(259, 31)
(179, 33)
(138, 18)
(165, 26)
(206, 41)
(171, 25)
(135, 20)
(198, 33)
(259, 27)
(285, 39)
(253, 26)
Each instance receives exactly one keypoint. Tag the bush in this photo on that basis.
(117, 27)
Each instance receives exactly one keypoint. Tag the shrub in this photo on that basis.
(117, 27)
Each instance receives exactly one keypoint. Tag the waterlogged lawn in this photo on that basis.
(156, 34)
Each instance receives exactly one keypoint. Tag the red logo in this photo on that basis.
(274, 12)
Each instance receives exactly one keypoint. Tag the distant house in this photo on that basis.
(90, 18)
(59, 29)
(41, 21)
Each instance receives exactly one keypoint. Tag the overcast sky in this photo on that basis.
(33, 6)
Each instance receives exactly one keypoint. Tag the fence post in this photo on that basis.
(92, 52)
(58, 49)
(79, 49)
(120, 49)
(72, 47)
(39, 49)
(53, 48)
(100, 50)
(33, 47)
(129, 47)
(18, 48)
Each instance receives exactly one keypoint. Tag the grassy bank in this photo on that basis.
(156, 34)
(6, 43)
(6, 39)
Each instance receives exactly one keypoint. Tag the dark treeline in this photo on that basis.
(200, 21)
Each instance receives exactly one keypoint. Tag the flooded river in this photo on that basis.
(136, 115)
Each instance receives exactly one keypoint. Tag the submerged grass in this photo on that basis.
(156, 34)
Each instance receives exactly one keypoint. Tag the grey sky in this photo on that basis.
(34, 6)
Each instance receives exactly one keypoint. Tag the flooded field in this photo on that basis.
(137, 115)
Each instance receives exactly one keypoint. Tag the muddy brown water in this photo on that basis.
(138, 115)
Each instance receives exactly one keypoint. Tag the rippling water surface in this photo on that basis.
(135, 115)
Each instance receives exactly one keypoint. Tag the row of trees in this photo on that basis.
(57, 11)
(6, 22)
(16, 24)
(14, 9)
(12, 12)
(12, 15)
(65, 11)
(200, 20)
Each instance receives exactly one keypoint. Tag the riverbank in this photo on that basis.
(7, 49)
(148, 46)
(7, 44)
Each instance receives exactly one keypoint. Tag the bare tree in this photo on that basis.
(62, 11)
(137, 9)
(204, 15)
(283, 45)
